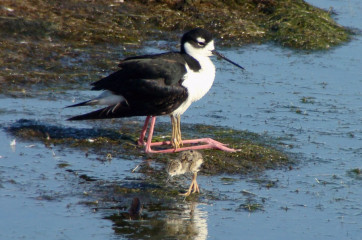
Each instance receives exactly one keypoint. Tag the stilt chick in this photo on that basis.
(188, 161)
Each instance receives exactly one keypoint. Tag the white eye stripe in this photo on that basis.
(199, 50)
(200, 40)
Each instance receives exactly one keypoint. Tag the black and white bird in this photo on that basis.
(160, 84)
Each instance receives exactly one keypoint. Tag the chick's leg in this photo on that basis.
(194, 187)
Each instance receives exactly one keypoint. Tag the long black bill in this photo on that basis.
(216, 53)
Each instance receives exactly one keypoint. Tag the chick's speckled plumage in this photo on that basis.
(188, 161)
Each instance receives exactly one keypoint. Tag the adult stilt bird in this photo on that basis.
(161, 84)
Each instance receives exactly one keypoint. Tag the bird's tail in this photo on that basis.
(116, 111)
(80, 104)
(117, 107)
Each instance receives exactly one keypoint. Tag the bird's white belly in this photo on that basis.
(197, 84)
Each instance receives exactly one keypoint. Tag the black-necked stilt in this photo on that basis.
(188, 161)
(161, 84)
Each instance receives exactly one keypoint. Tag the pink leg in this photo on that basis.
(141, 140)
(209, 143)
(149, 138)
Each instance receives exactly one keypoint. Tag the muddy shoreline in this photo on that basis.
(52, 44)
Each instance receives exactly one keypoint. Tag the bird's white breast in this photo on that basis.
(197, 83)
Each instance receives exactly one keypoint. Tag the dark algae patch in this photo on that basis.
(44, 43)
(257, 153)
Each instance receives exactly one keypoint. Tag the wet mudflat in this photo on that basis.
(306, 104)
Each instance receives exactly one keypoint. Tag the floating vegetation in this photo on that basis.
(355, 173)
(251, 205)
(63, 165)
(307, 100)
(266, 183)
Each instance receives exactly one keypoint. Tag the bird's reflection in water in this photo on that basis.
(160, 221)
(148, 211)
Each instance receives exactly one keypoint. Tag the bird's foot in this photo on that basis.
(194, 188)
(176, 143)
(148, 148)
(186, 194)
(209, 144)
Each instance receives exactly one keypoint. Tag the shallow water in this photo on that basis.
(312, 101)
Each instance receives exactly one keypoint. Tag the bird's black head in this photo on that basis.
(197, 38)
(199, 43)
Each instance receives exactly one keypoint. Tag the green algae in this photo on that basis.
(299, 25)
(293, 23)
(63, 165)
(252, 203)
(251, 207)
(228, 180)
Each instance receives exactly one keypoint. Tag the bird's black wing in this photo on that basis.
(150, 84)
(170, 67)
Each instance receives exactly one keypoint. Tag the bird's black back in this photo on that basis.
(151, 85)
